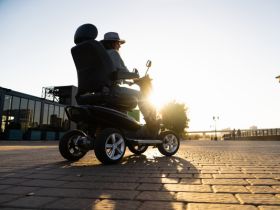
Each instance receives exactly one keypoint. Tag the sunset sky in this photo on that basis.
(220, 57)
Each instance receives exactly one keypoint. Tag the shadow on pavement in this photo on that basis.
(148, 181)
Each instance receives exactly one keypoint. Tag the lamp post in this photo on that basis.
(278, 78)
(215, 118)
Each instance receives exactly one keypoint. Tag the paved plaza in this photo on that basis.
(202, 175)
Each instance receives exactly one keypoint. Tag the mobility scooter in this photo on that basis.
(103, 124)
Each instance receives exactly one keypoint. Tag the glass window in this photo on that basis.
(51, 110)
(30, 112)
(14, 114)
(37, 114)
(23, 113)
(45, 116)
(7, 102)
(15, 103)
(61, 114)
(55, 120)
(23, 103)
(6, 111)
(56, 111)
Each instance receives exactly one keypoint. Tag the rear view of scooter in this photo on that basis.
(103, 124)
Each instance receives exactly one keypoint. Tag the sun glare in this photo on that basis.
(157, 99)
(162, 93)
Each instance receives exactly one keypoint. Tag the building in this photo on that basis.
(28, 117)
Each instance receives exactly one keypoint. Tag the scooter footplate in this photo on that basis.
(146, 141)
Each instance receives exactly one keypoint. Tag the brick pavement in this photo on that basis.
(203, 175)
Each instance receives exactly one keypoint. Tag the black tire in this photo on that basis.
(68, 148)
(170, 145)
(109, 146)
(137, 149)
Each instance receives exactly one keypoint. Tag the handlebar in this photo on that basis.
(137, 81)
(135, 75)
(128, 83)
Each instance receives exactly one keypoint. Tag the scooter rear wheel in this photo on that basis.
(68, 147)
(170, 144)
(137, 149)
(109, 146)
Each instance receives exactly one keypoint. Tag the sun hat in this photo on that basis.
(113, 36)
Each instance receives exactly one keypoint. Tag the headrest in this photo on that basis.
(85, 32)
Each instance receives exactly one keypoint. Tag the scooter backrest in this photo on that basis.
(93, 64)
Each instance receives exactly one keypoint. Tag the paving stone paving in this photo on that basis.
(203, 175)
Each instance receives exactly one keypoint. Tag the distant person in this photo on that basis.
(233, 134)
(238, 134)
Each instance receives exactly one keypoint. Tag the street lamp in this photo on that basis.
(278, 77)
(215, 118)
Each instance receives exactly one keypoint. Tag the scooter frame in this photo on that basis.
(108, 132)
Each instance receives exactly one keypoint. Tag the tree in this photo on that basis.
(174, 116)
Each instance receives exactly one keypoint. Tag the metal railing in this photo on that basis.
(236, 134)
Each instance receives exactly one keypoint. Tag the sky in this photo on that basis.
(219, 57)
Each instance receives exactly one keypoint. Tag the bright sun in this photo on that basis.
(157, 99)
(162, 94)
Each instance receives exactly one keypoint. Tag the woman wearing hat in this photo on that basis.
(112, 44)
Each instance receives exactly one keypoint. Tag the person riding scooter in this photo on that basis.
(103, 124)
(112, 44)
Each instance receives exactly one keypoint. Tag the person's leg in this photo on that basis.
(147, 109)
(150, 115)
(123, 91)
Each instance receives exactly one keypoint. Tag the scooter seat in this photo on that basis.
(119, 102)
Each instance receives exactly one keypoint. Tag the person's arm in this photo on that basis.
(117, 60)
(121, 70)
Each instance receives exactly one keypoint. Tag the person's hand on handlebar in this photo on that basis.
(142, 79)
(128, 83)
(136, 71)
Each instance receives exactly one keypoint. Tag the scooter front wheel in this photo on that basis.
(170, 144)
(68, 145)
(109, 146)
(137, 149)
